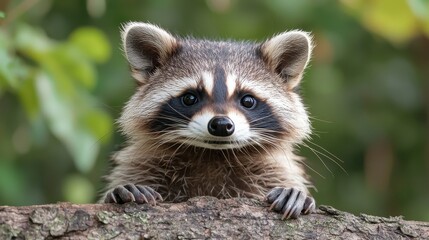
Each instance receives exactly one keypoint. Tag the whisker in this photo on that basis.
(312, 169)
(319, 120)
(327, 152)
(317, 155)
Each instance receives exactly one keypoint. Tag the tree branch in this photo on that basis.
(202, 217)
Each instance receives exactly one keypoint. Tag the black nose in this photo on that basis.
(221, 126)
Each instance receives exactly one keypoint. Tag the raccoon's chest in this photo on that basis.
(219, 178)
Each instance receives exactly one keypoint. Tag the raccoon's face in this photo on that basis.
(216, 95)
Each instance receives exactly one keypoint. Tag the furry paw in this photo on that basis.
(290, 201)
(132, 193)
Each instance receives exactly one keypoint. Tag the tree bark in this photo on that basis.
(198, 218)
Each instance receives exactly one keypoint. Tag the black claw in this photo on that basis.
(292, 213)
(122, 195)
(110, 198)
(273, 194)
(148, 192)
(290, 202)
(158, 196)
(138, 196)
(280, 201)
(309, 205)
(132, 193)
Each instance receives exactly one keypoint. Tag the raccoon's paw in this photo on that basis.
(290, 201)
(132, 193)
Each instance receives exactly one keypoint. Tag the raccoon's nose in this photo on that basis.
(221, 126)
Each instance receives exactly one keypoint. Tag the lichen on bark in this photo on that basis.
(198, 218)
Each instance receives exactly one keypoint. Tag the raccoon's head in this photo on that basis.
(216, 95)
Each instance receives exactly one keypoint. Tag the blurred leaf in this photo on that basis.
(392, 19)
(62, 118)
(84, 148)
(7, 76)
(31, 40)
(70, 61)
(100, 124)
(15, 75)
(35, 45)
(78, 189)
(28, 96)
(2, 14)
(75, 65)
(92, 42)
(420, 8)
(64, 103)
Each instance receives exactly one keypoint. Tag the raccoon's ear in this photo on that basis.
(146, 47)
(287, 54)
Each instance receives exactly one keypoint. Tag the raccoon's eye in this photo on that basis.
(189, 99)
(248, 101)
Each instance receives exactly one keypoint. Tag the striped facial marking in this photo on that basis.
(219, 85)
(220, 90)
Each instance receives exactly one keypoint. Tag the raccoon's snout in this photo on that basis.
(221, 126)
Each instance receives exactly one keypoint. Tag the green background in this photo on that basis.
(63, 81)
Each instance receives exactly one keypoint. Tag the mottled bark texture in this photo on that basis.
(198, 218)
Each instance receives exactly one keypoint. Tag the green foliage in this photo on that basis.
(53, 82)
(91, 42)
(397, 20)
(78, 189)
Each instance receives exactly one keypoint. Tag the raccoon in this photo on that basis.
(213, 118)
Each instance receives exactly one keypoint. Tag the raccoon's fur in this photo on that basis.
(217, 118)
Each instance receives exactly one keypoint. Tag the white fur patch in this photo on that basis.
(198, 125)
(231, 84)
(242, 128)
(208, 82)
